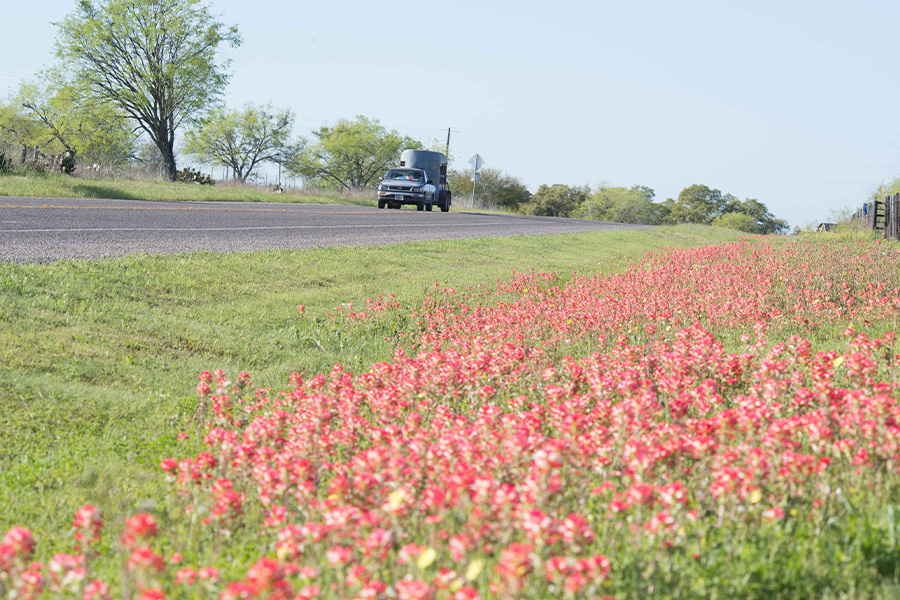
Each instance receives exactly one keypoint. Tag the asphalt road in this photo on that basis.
(46, 230)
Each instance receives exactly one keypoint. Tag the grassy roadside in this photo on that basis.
(98, 360)
(51, 185)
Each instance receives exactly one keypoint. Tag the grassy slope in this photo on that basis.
(98, 360)
(37, 185)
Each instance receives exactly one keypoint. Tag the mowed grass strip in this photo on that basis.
(50, 185)
(98, 360)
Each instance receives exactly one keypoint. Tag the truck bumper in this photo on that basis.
(401, 198)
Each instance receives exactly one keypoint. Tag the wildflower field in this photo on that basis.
(714, 422)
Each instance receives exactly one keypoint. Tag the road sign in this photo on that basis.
(477, 162)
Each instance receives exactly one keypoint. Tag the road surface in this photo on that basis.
(46, 230)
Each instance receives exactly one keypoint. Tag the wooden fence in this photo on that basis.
(882, 216)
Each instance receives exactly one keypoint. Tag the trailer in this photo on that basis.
(420, 180)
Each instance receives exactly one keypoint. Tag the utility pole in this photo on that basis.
(448, 145)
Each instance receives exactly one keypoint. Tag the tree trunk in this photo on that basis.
(166, 144)
(171, 169)
(168, 155)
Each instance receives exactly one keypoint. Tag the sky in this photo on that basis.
(791, 102)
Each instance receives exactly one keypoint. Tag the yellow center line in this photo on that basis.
(271, 210)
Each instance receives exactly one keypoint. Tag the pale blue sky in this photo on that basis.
(792, 102)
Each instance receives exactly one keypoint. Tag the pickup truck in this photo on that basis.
(420, 180)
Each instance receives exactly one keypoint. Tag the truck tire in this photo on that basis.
(381, 203)
(420, 206)
(445, 205)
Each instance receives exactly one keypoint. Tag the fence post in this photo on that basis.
(889, 229)
(889, 217)
(888, 201)
(887, 207)
(895, 217)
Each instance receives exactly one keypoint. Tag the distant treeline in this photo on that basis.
(695, 204)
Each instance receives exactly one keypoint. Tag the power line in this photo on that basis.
(13, 78)
(405, 128)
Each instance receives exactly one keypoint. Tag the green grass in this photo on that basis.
(50, 185)
(98, 360)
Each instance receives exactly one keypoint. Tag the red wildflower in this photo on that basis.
(145, 559)
(139, 529)
(96, 590)
(413, 590)
(152, 594)
(21, 541)
(87, 525)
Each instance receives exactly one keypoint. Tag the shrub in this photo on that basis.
(189, 175)
(67, 162)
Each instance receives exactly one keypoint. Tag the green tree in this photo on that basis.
(54, 116)
(751, 216)
(731, 203)
(557, 200)
(352, 155)
(701, 204)
(241, 140)
(736, 220)
(621, 205)
(98, 131)
(156, 60)
(18, 127)
(696, 204)
(495, 188)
